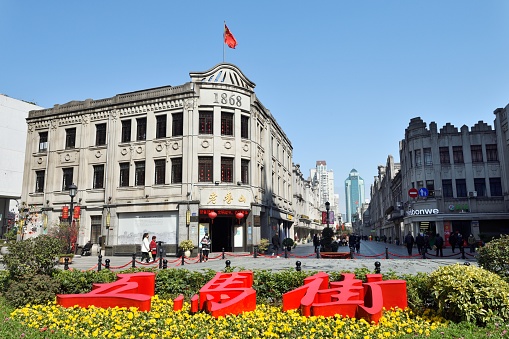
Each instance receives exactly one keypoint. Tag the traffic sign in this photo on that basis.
(413, 193)
(423, 192)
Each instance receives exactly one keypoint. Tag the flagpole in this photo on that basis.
(224, 25)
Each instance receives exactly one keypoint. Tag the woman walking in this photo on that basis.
(145, 248)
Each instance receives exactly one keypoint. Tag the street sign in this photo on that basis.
(413, 193)
(423, 192)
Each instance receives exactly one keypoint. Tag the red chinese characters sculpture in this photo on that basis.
(130, 290)
(226, 293)
(348, 297)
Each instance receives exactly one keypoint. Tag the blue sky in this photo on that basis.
(342, 78)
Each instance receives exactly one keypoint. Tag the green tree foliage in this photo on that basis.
(494, 257)
(33, 289)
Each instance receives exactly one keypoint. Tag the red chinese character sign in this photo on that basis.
(349, 297)
(226, 293)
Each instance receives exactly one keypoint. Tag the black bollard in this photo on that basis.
(298, 267)
(318, 253)
(99, 262)
(227, 262)
(107, 264)
(352, 253)
(377, 267)
(201, 255)
(424, 252)
(255, 251)
(286, 252)
(223, 252)
(462, 249)
(165, 264)
(160, 255)
(386, 253)
(183, 256)
(66, 263)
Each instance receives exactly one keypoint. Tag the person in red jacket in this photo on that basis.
(153, 248)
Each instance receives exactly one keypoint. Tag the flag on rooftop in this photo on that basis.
(229, 39)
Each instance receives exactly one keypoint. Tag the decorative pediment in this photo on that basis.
(227, 74)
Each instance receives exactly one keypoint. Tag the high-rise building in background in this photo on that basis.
(354, 194)
(324, 179)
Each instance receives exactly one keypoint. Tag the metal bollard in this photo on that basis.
(66, 263)
(99, 262)
(352, 253)
(255, 251)
(298, 267)
(160, 256)
(286, 252)
(107, 264)
(386, 253)
(318, 253)
(134, 260)
(165, 264)
(183, 257)
(377, 267)
(223, 252)
(424, 252)
(201, 255)
(462, 248)
(227, 262)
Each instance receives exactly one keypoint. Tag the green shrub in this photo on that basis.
(32, 256)
(35, 289)
(270, 286)
(287, 242)
(4, 280)
(418, 294)
(75, 282)
(263, 245)
(494, 257)
(468, 293)
(172, 282)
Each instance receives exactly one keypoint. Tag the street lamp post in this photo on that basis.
(327, 207)
(72, 193)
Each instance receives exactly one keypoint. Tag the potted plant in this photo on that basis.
(186, 246)
(263, 245)
(288, 243)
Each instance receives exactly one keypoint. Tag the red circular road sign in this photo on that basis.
(413, 193)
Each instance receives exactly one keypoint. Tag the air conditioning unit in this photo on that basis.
(472, 194)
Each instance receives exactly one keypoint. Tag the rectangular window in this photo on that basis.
(428, 161)
(457, 154)
(126, 131)
(95, 228)
(205, 169)
(476, 151)
(39, 181)
(495, 187)
(176, 170)
(447, 188)
(411, 159)
(206, 123)
(420, 184)
(161, 126)
(491, 152)
(100, 134)
(418, 158)
(67, 178)
(160, 171)
(430, 185)
(244, 171)
(461, 188)
(141, 129)
(98, 176)
(480, 186)
(226, 123)
(124, 174)
(244, 127)
(70, 138)
(226, 169)
(177, 125)
(444, 155)
(139, 173)
(43, 141)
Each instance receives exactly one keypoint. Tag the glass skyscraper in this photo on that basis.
(354, 194)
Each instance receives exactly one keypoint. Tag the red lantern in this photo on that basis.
(76, 214)
(65, 212)
(239, 216)
(212, 215)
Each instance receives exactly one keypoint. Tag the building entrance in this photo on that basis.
(221, 234)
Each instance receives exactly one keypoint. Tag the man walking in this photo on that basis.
(419, 240)
(409, 241)
(439, 244)
(275, 242)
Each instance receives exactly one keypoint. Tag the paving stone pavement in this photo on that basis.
(371, 252)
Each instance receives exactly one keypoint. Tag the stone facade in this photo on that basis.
(160, 161)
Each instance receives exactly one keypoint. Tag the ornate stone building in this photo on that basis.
(174, 161)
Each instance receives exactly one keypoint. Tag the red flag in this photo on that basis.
(229, 39)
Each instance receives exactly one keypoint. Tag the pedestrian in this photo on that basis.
(419, 240)
(351, 242)
(439, 244)
(153, 248)
(409, 242)
(316, 242)
(471, 243)
(452, 241)
(145, 248)
(426, 244)
(205, 246)
(276, 243)
(459, 241)
(357, 243)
